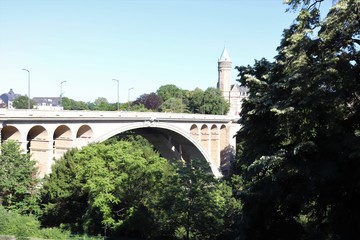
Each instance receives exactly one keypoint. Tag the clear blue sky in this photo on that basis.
(143, 44)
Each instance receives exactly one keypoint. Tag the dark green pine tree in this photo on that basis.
(300, 159)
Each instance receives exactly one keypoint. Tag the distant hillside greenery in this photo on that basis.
(168, 98)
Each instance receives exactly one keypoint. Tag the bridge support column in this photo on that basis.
(214, 148)
(24, 146)
(61, 146)
(50, 161)
(42, 152)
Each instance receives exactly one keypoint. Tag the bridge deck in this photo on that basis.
(19, 114)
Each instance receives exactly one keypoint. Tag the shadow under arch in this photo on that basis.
(10, 133)
(84, 135)
(62, 138)
(37, 138)
(161, 135)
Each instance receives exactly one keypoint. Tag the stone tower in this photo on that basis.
(224, 74)
(232, 93)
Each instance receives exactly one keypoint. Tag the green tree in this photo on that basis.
(209, 101)
(196, 100)
(122, 187)
(195, 205)
(18, 181)
(105, 188)
(214, 102)
(22, 102)
(174, 105)
(300, 159)
(70, 104)
(61, 195)
(136, 108)
(102, 104)
(151, 101)
(169, 91)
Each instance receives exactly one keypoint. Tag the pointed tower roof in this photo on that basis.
(224, 56)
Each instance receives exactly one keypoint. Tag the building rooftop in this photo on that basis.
(224, 56)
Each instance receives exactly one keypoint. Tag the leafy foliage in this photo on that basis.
(174, 105)
(214, 103)
(209, 101)
(168, 98)
(123, 188)
(18, 180)
(26, 226)
(70, 104)
(300, 151)
(62, 197)
(195, 205)
(169, 91)
(196, 101)
(150, 101)
(22, 102)
(109, 187)
(102, 104)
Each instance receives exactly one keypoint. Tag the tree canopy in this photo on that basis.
(70, 104)
(214, 102)
(22, 102)
(169, 91)
(102, 188)
(123, 188)
(300, 143)
(168, 98)
(150, 101)
(18, 179)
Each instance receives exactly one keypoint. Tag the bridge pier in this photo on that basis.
(42, 151)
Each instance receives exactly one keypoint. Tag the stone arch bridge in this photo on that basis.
(47, 135)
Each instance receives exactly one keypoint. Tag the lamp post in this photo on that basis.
(117, 93)
(129, 98)
(61, 92)
(28, 86)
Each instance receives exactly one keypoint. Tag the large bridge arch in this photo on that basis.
(172, 142)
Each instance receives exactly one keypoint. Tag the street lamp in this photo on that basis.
(28, 87)
(61, 92)
(129, 98)
(117, 93)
